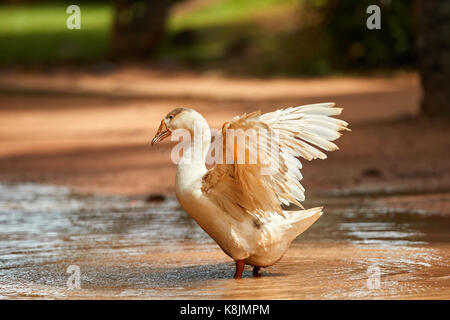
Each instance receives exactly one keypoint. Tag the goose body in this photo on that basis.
(259, 242)
(238, 204)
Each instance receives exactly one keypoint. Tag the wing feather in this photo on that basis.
(244, 188)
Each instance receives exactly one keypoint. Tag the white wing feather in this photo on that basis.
(241, 189)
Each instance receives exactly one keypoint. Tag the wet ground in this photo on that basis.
(125, 247)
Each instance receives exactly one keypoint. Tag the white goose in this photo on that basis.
(238, 204)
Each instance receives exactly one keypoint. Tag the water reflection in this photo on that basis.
(131, 248)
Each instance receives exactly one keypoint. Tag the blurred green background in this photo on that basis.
(257, 37)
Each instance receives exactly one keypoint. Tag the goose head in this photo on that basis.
(179, 119)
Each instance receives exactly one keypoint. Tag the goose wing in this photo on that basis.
(260, 167)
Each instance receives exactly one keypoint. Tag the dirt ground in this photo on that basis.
(92, 131)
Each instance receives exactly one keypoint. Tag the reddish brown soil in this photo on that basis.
(92, 132)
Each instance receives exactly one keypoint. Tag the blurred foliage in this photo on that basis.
(343, 25)
(259, 37)
(233, 36)
(282, 37)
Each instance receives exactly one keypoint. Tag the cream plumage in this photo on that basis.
(239, 202)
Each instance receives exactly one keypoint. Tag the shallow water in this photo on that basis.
(129, 248)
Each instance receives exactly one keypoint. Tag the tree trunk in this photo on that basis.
(139, 27)
(433, 42)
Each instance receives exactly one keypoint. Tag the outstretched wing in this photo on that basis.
(274, 141)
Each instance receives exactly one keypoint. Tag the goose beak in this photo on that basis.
(163, 132)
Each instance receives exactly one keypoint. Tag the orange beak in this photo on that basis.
(163, 132)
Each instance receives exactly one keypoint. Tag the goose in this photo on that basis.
(244, 205)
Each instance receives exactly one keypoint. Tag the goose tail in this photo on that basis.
(301, 220)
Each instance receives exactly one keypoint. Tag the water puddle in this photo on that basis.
(130, 248)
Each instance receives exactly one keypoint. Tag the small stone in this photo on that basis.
(155, 198)
(372, 172)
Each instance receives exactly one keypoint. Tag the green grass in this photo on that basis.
(226, 12)
(226, 35)
(37, 33)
